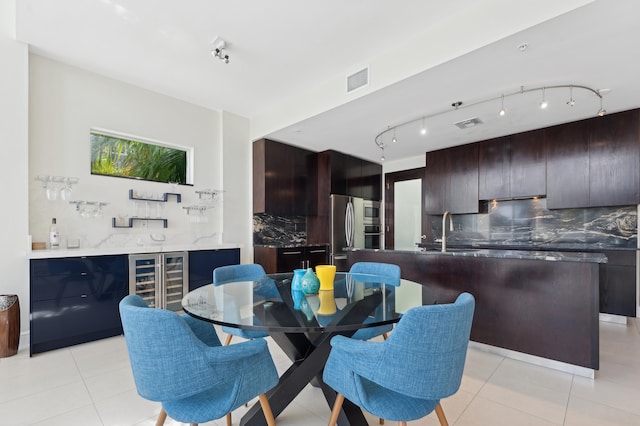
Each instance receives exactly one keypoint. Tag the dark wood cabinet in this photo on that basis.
(286, 259)
(494, 168)
(342, 174)
(594, 162)
(512, 166)
(279, 178)
(75, 300)
(203, 262)
(451, 180)
(618, 283)
(614, 159)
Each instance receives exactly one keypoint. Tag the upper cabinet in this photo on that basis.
(451, 180)
(342, 174)
(279, 178)
(594, 162)
(512, 166)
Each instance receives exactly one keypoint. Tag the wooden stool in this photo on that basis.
(9, 325)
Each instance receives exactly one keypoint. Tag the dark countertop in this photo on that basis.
(290, 245)
(556, 256)
(561, 247)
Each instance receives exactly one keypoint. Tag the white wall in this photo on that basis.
(64, 104)
(238, 184)
(13, 173)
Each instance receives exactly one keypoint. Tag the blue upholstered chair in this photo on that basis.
(388, 270)
(178, 361)
(244, 272)
(404, 377)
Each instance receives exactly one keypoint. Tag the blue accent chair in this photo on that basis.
(392, 272)
(405, 377)
(244, 272)
(178, 361)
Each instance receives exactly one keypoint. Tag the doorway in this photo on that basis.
(403, 209)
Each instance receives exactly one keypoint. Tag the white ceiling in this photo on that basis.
(282, 50)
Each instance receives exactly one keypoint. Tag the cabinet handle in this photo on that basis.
(318, 251)
(83, 273)
(291, 252)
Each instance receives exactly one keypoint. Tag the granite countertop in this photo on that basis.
(509, 254)
(560, 247)
(290, 245)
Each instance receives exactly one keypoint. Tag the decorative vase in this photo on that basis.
(297, 296)
(297, 276)
(327, 302)
(326, 274)
(309, 284)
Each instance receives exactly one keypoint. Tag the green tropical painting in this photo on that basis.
(114, 156)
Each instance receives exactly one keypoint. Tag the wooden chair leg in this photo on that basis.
(228, 419)
(384, 336)
(402, 423)
(266, 409)
(381, 420)
(161, 417)
(335, 412)
(228, 339)
(441, 416)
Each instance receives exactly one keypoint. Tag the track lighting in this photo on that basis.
(465, 124)
(219, 50)
(543, 103)
(571, 102)
(502, 110)
(423, 130)
(601, 111)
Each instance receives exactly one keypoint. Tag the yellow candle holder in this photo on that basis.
(326, 274)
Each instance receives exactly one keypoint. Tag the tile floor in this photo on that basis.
(91, 384)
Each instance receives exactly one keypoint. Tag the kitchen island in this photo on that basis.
(543, 304)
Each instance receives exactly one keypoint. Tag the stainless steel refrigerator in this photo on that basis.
(355, 223)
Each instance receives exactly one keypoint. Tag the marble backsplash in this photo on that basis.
(276, 230)
(529, 221)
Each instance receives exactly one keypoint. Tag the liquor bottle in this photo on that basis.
(54, 237)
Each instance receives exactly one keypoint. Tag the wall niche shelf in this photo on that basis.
(128, 223)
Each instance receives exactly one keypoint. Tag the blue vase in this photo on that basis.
(298, 297)
(309, 284)
(297, 276)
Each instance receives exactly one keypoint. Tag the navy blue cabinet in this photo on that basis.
(203, 262)
(75, 300)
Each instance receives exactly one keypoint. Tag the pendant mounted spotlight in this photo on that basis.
(502, 111)
(457, 105)
(219, 50)
(544, 104)
(571, 102)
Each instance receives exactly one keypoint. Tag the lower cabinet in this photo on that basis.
(203, 262)
(75, 300)
(618, 283)
(281, 259)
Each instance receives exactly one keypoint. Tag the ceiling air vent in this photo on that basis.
(358, 79)
(469, 122)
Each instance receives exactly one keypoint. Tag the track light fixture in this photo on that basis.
(571, 102)
(423, 129)
(219, 50)
(544, 103)
(502, 111)
(457, 105)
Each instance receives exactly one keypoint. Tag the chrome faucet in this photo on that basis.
(444, 229)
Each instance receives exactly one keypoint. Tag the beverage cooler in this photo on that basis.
(161, 279)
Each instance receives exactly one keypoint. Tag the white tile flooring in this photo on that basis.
(91, 384)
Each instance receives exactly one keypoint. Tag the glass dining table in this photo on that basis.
(303, 324)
